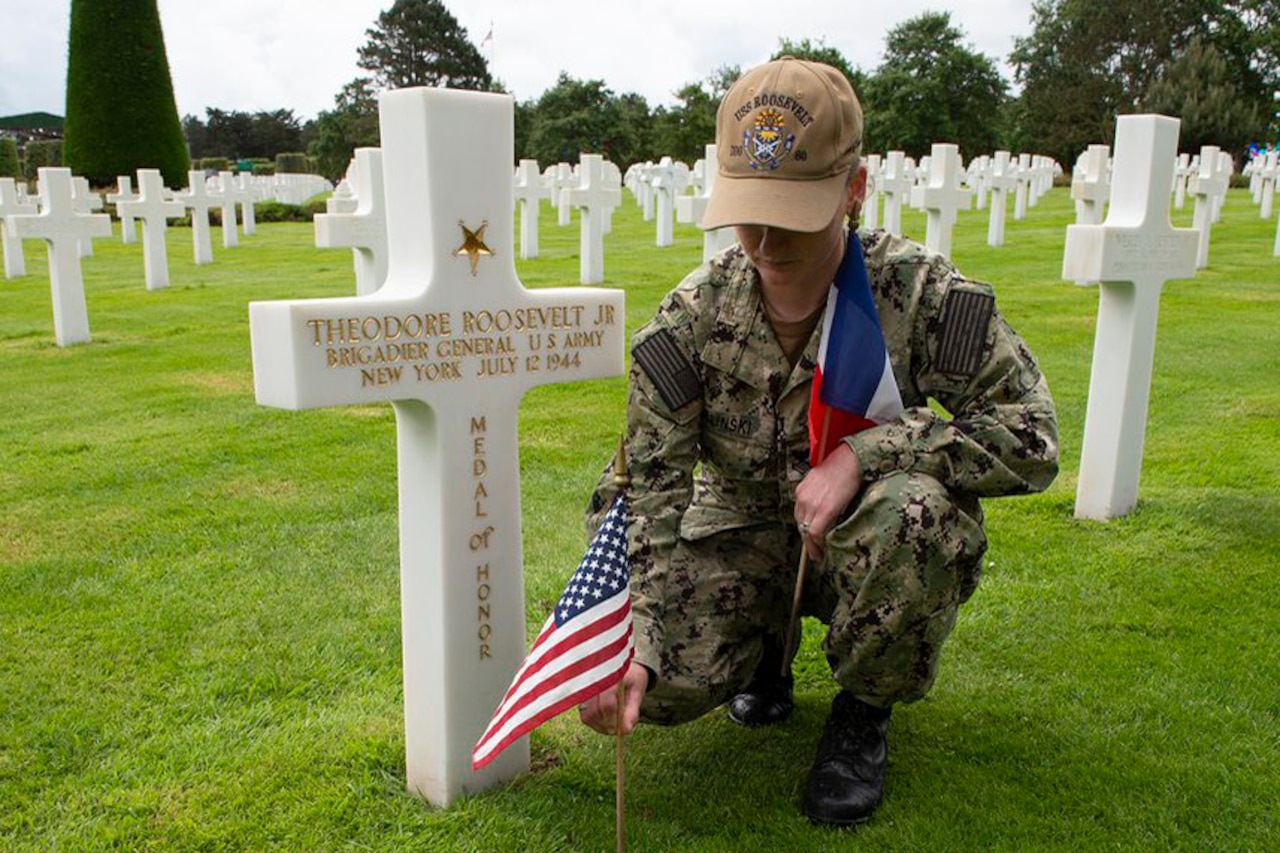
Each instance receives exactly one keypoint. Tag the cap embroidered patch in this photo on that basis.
(964, 332)
(668, 368)
(768, 143)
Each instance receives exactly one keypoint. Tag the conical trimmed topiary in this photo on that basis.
(121, 114)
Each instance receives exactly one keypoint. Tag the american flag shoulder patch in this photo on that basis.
(964, 332)
(668, 368)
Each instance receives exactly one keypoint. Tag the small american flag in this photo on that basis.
(584, 646)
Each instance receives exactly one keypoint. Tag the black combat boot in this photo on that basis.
(847, 778)
(767, 699)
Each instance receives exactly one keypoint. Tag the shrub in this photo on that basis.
(277, 211)
(318, 203)
(216, 164)
(121, 114)
(264, 168)
(291, 162)
(10, 167)
(40, 154)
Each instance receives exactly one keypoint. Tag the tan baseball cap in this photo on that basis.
(787, 134)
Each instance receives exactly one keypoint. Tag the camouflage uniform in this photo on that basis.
(717, 443)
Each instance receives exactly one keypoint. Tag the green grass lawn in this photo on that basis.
(199, 607)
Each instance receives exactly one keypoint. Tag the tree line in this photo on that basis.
(1214, 64)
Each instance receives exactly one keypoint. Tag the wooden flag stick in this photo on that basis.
(619, 799)
(621, 479)
(794, 622)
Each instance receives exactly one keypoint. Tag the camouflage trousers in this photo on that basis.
(895, 571)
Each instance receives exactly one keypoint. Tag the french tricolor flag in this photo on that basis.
(853, 386)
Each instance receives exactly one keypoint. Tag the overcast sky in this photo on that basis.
(252, 55)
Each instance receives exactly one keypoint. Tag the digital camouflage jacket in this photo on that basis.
(717, 437)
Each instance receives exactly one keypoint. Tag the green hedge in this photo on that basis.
(10, 166)
(292, 162)
(217, 164)
(121, 114)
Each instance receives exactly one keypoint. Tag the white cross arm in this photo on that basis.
(328, 352)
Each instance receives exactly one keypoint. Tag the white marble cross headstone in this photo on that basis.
(1041, 178)
(976, 177)
(364, 229)
(1024, 177)
(691, 208)
(1090, 189)
(941, 197)
(897, 184)
(343, 198)
(647, 203)
(563, 181)
(1209, 181)
(529, 191)
(698, 177)
(1269, 174)
(248, 196)
(871, 206)
(225, 196)
(1180, 176)
(454, 341)
(234, 193)
(597, 200)
(669, 180)
(124, 192)
(1227, 167)
(612, 180)
(198, 201)
(15, 265)
(86, 201)
(154, 209)
(63, 228)
(1132, 254)
(1002, 178)
(1275, 251)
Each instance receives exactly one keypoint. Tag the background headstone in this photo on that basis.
(1002, 178)
(155, 209)
(1132, 254)
(871, 207)
(1090, 189)
(198, 201)
(693, 208)
(896, 186)
(124, 192)
(941, 197)
(86, 201)
(364, 229)
(596, 199)
(529, 191)
(63, 229)
(1207, 183)
(15, 264)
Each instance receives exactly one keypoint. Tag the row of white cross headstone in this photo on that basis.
(63, 214)
(1263, 171)
(449, 335)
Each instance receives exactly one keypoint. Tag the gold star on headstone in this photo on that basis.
(473, 244)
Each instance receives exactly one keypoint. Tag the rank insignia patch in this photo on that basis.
(667, 367)
(964, 332)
